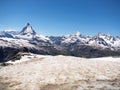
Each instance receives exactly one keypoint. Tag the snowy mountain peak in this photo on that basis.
(27, 30)
(105, 35)
(11, 32)
(77, 33)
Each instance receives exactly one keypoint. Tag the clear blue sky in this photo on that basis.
(61, 17)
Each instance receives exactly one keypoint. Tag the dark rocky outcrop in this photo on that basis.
(6, 53)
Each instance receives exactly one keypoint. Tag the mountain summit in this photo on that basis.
(27, 30)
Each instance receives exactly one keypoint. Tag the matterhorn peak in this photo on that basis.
(27, 30)
(28, 24)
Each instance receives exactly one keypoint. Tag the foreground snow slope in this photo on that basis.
(61, 73)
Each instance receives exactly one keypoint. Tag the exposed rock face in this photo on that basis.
(6, 53)
(27, 30)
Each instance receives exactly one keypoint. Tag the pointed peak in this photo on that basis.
(27, 30)
(77, 33)
(28, 24)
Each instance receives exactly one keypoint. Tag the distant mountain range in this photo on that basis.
(12, 42)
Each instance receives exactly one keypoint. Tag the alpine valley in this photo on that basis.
(12, 43)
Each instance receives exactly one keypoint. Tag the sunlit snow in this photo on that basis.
(61, 73)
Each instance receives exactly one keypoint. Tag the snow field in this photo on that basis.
(61, 73)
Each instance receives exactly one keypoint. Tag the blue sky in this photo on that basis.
(61, 17)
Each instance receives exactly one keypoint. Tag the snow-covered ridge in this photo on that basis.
(30, 57)
(11, 42)
(13, 38)
(100, 40)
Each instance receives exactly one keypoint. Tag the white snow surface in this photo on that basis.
(112, 59)
(23, 59)
(33, 56)
(62, 73)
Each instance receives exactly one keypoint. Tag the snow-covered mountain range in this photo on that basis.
(27, 40)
